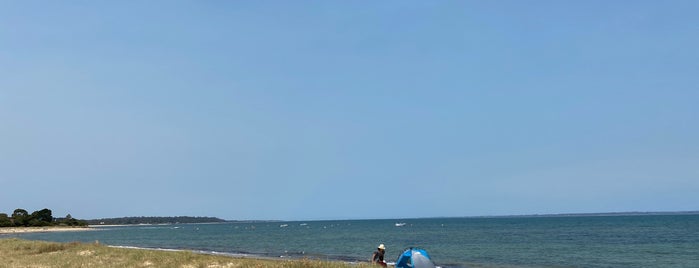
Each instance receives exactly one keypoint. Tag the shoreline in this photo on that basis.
(9, 232)
(44, 229)
(35, 253)
(252, 256)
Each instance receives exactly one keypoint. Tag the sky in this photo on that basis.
(304, 110)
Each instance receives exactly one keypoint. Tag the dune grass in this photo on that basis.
(38, 254)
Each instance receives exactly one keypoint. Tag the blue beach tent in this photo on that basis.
(414, 258)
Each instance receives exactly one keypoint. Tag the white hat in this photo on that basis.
(382, 247)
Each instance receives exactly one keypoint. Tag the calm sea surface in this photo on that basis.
(585, 241)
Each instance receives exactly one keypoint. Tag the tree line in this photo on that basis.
(22, 218)
(154, 220)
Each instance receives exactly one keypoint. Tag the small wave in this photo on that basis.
(146, 248)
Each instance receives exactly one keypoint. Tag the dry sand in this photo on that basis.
(20, 230)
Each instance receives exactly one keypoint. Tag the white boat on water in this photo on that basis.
(283, 225)
(400, 224)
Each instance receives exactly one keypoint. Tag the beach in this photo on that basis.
(26, 253)
(45, 229)
(553, 241)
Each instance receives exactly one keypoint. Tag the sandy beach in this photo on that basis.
(20, 230)
(26, 253)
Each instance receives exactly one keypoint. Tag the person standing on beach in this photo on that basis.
(377, 258)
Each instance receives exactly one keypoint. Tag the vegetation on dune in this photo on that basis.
(23, 253)
(22, 218)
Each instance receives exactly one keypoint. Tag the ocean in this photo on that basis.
(563, 241)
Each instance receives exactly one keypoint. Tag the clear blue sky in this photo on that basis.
(348, 109)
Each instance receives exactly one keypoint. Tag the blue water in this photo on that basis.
(584, 241)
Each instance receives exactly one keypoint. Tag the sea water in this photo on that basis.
(571, 241)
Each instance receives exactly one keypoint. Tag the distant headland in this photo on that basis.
(44, 218)
(153, 220)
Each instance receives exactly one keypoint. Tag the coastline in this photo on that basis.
(45, 229)
(30, 253)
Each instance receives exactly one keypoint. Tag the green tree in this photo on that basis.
(20, 217)
(5, 220)
(70, 221)
(43, 217)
